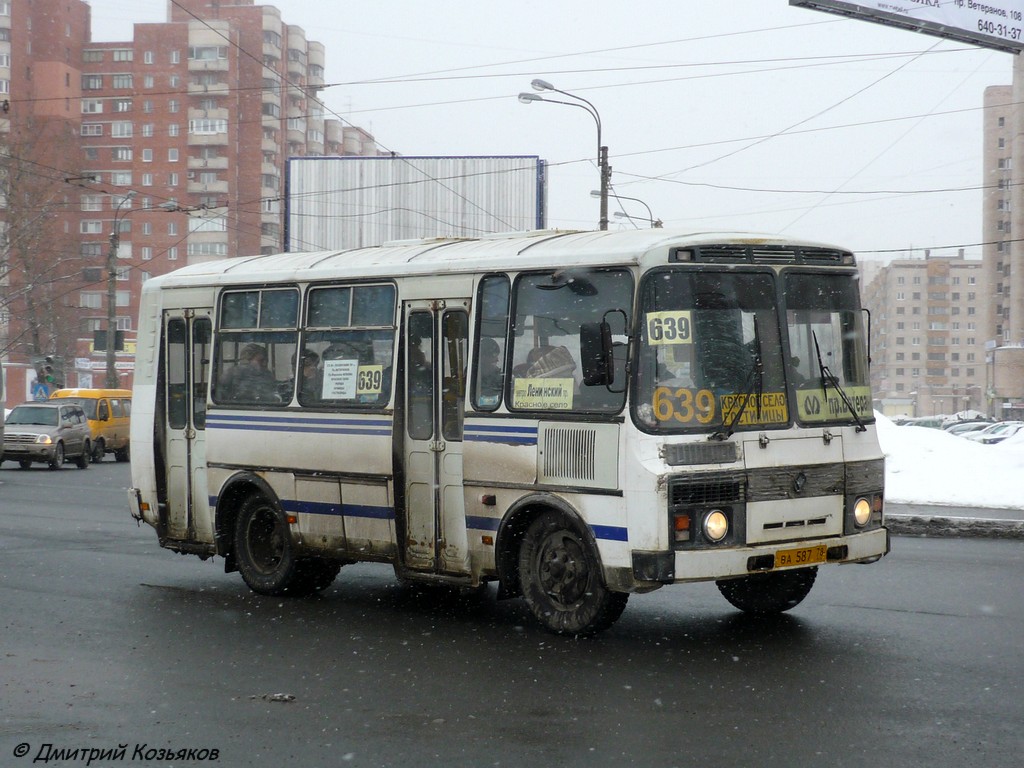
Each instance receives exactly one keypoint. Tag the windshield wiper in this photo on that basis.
(827, 377)
(755, 386)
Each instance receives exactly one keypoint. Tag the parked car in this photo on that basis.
(47, 432)
(108, 412)
(964, 428)
(1011, 429)
(994, 431)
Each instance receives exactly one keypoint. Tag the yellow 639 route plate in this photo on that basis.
(786, 558)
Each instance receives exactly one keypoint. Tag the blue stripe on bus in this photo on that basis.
(377, 427)
(607, 532)
(480, 433)
(610, 532)
(330, 508)
(479, 523)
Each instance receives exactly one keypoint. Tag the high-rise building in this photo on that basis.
(927, 355)
(1003, 250)
(134, 158)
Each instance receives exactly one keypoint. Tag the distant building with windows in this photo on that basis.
(927, 343)
(178, 137)
(1003, 250)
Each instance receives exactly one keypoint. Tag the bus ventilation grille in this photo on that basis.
(569, 454)
(771, 254)
(719, 490)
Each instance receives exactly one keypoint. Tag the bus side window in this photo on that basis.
(420, 376)
(455, 327)
(492, 332)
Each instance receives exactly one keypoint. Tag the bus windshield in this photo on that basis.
(828, 364)
(711, 352)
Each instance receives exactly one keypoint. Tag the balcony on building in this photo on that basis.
(207, 188)
(209, 89)
(208, 163)
(317, 64)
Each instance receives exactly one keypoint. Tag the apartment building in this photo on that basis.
(1003, 250)
(927, 321)
(174, 142)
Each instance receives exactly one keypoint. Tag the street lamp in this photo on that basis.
(602, 151)
(655, 223)
(115, 241)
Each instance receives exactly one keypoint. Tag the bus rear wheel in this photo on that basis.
(266, 558)
(765, 594)
(560, 577)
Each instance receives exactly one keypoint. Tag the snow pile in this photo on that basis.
(930, 466)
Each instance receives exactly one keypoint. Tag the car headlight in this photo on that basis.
(862, 512)
(716, 525)
(44, 439)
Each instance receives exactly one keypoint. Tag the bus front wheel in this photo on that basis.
(560, 578)
(765, 594)
(266, 558)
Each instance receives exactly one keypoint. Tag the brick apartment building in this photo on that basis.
(177, 139)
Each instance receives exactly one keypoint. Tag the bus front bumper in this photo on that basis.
(708, 564)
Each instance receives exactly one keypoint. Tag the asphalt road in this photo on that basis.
(109, 641)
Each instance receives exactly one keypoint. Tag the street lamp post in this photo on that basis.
(113, 382)
(602, 150)
(655, 223)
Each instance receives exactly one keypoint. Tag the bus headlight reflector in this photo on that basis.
(862, 512)
(716, 525)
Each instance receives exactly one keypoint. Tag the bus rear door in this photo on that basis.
(186, 362)
(434, 517)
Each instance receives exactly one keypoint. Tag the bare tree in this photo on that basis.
(41, 271)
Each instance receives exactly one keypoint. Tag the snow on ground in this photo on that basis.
(930, 466)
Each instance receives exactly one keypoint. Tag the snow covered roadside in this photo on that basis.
(930, 466)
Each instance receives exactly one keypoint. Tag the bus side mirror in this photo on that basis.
(596, 354)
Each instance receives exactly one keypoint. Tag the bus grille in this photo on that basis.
(716, 490)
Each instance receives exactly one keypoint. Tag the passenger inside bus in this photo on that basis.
(250, 381)
(490, 374)
(310, 378)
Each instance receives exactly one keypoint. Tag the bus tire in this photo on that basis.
(765, 594)
(97, 451)
(263, 550)
(122, 454)
(560, 578)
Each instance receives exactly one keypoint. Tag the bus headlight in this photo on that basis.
(716, 525)
(862, 512)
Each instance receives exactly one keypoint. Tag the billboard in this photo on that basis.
(355, 201)
(995, 24)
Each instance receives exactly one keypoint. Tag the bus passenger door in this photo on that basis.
(186, 369)
(436, 342)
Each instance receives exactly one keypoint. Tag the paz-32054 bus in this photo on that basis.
(578, 416)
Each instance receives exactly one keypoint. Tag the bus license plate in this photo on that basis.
(785, 558)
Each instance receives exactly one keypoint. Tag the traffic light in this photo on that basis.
(49, 371)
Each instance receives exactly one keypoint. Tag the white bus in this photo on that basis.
(578, 416)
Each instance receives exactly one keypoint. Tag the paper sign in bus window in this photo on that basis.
(543, 394)
(672, 327)
(340, 379)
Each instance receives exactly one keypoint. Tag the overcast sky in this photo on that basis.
(744, 115)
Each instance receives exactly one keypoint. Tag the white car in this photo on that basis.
(996, 432)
